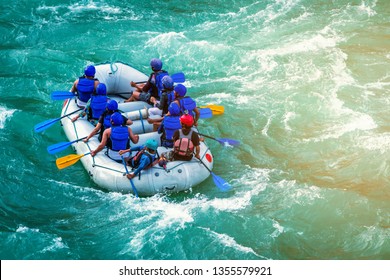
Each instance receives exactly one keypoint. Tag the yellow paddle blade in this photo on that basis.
(67, 160)
(216, 109)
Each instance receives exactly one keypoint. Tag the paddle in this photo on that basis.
(55, 148)
(205, 113)
(68, 160)
(46, 124)
(178, 77)
(216, 109)
(224, 141)
(218, 181)
(62, 95)
(131, 180)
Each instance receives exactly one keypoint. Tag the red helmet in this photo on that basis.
(187, 120)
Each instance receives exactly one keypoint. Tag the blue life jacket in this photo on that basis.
(119, 138)
(187, 105)
(85, 88)
(171, 124)
(158, 83)
(98, 105)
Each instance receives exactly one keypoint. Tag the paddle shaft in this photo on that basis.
(43, 125)
(61, 146)
(131, 180)
(208, 137)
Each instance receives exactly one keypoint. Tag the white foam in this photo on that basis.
(355, 121)
(278, 229)
(4, 115)
(229, 241)
(56, 244)
(24, 229)
(367, 8)
(165, 39)
(79, 7)
(379, 142)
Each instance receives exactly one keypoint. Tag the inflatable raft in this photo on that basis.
(110, 175)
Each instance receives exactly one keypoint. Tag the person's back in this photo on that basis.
(186, 140)
(98, 102)
(120, 136)
(187, 104)
(85, 86)
(169, 125)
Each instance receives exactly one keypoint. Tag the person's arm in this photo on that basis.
(103, 143)
(176, 135)
(142, 87)
(197, 115)
(133, 137)
(127, 121)
(195, 141)
(163, 101)
(74, 87)
(197, 152)
(83, 112)
(93, 132)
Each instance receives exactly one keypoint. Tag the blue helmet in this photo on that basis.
(174, 109)
(156, 64)
(167, 82)
(112, 105)
(90, 71)
(117, 119)
(101, 89)
(181, 90)
(151, 144)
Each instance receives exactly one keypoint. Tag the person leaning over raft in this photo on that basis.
(105, 120)
(95, 105)
(85, 86)
(143, 159)
(151, 91)
(119, 136)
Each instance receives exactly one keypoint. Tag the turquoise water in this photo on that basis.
(305, 86)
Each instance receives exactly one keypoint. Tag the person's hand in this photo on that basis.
(85, 140)
(121, 152)
(130, 176)
(133, 84)
(93, 153)
(75, 118)
(197, 156)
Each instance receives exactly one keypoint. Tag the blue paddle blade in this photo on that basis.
(58, 147)
(44, 125)
(205, 113)
(178, 77)
(55, 148)
(62, 95)
(228, 142)
(221, 183)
